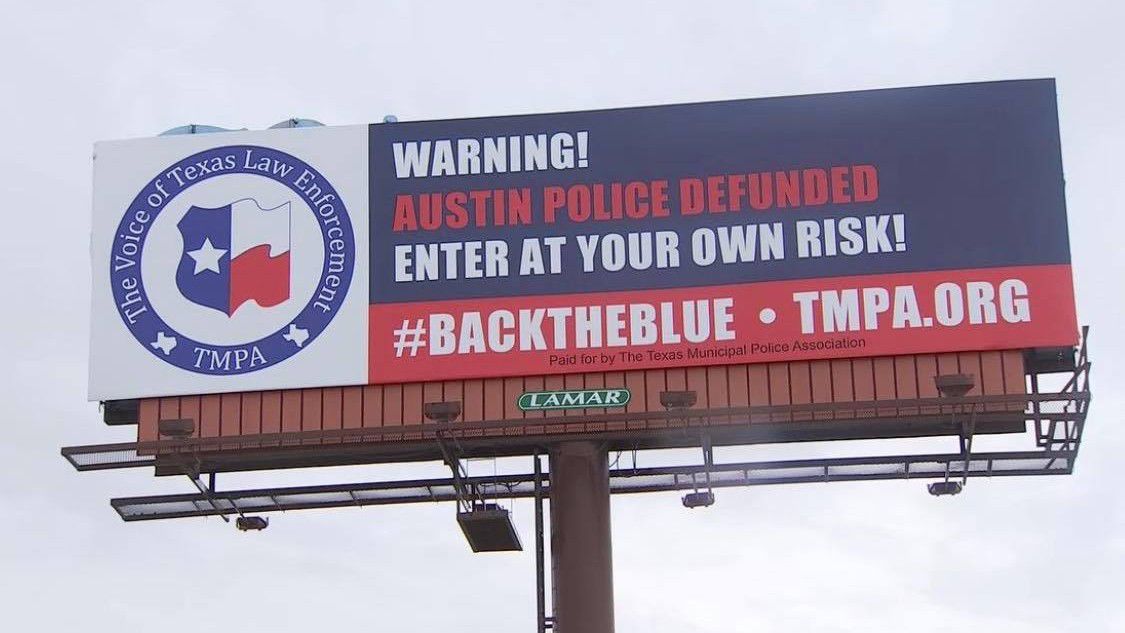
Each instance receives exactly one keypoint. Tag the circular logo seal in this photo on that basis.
(232, 260)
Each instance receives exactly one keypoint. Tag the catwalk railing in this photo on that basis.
(626, 480)
(1058, 418)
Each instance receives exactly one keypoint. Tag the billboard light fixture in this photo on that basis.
(176, 429)
(702, 499)
(945, 488)
(442, 411)
(677, 399)
(954, 385)
(252, 524)
(296, 122)
(196, 128)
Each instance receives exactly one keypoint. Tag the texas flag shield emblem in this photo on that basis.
(235, 254)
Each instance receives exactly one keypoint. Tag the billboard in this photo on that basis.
(843, 225)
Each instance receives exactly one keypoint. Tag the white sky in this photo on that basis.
(1023, 555)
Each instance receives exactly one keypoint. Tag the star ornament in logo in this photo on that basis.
(164, 343)
(206, 257)
(296, 335)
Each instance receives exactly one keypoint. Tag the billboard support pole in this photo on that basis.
(581, 547)
(540, 567)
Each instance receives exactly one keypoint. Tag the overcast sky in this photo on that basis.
(1023, 555)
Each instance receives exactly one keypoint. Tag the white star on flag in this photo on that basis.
(206, 257)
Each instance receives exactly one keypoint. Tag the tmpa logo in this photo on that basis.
(232, 260)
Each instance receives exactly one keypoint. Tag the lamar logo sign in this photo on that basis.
(578, 399)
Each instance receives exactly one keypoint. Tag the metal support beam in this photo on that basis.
(581, 548)
(968, 429)
(622, 480)
(465, 493)
(543, 621)
(708, 458)
(208, 495)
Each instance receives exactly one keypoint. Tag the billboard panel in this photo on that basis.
(226, 262)
(842, 225)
